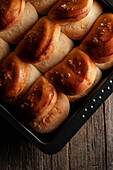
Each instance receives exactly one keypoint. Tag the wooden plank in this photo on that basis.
(109, 131)
(87, 147)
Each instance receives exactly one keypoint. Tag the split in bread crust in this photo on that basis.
(10, 12)
(70, 10)
(74, 75)
(98, 44)
(39, 42)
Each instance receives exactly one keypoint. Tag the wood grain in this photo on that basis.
(90, 149)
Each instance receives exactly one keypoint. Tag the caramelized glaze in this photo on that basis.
(39, 42)
(70, 10)
(13, 76)
(74, 74)
(98, 44)
(10, 12)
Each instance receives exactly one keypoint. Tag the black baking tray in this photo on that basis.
(79, 114)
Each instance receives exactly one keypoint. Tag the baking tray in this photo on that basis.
(79, 114)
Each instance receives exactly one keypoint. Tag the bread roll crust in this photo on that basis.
(10, 12)
(13, 76)
(70, 10)
(39, 42)
(98, 44)
(75, 74)
(39, 100)
(54, 118)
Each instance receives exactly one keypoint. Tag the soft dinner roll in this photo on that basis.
(54, 117)
(4, 49)
(39, 100)
(43, 6)
(16, 77)
(98, 44)
(77, 30)
(70, 10)
(44, 45)
(10, 12)
(74, 75)
(17, 29)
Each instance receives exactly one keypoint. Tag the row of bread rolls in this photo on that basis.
(35, 99)
(72, 75)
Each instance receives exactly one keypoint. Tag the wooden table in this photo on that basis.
(90, 149)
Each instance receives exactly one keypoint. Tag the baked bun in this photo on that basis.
(53, 119)
(16, 31)
(77, 30)
(74, 75)
(70, 10)
(63, 47)
(4, 49)
(43, 6)
(99, 42)
(10, 12)
(39, 100)
(15, 78)
(39, 42)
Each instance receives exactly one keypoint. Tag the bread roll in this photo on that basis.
(10, 12)
(77, 30)
(16, 77)
(70, 11)
(53, 119)
(63, 47)
(4, 49)
(16, 32)
(39, 42)
(98, 43)
(43, 6)
(38, 101)
(74, 75)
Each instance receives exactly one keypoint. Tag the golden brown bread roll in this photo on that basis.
(10, 12)
(16, 31)
(44, 45)
(77, 30)
(39, 42)
(63, 47)
(4, 49)
(39, 100)
(54, 117)
(42, 6)
(16, 77)
(74, 75)
(70, 10)
(98, 43)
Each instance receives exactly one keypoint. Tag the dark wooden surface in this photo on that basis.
(90, 149)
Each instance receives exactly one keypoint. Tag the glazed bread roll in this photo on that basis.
(16, 77)
(4, 49)
(99, 42)
(70, 11)
(74, 75)
(10, 12)
(77, 30)
(39, 100)
(41, 45)
(43, 6)
(54, 118)
(15, 31)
